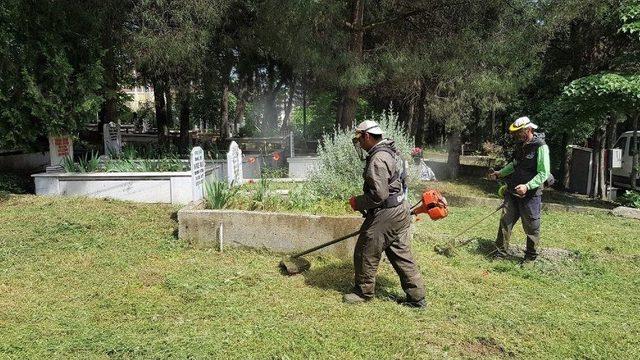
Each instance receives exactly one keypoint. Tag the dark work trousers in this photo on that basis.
(388, 231)
(527, 209)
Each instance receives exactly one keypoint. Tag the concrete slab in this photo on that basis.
(627, 212)
(278, 232)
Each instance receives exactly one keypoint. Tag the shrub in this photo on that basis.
(14, 184)
(219, 193)
(631, 198)
(300, 197)
(339, 174)
(85, 165)
(259, 197)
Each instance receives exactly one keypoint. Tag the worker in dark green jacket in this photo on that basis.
(525, 176)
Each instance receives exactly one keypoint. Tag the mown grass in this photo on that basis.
(83, 278)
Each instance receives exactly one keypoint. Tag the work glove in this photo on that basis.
(352, 203)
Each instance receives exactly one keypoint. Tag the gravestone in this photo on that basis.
(60, 147)
(112, 139)
(234, 164)
(197, 173)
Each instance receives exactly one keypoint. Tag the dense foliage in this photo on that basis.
(455, 72)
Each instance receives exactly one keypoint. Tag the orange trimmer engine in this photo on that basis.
(432, 204)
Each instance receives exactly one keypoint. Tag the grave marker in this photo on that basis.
(112, 139)
(60, 147)
(234, 164)
(197, 173)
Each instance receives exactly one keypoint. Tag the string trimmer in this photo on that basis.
(431, 203)
(449, 248)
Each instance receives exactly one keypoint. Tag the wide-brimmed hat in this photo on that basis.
(522, 123)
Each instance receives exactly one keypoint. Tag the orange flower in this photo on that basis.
(276, 156)
(251, 160)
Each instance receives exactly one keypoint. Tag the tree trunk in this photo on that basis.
(224, 112)
(109, 107)
(634, 151)
(169, 97)
(350, 95)
(597, 163)
(411, 127)
(185, 113)
(605, 162)
(108, 111)
(494, 125)
(453, 158)
(269, 122)
(304, 110)
(602, 173)
(240, 107)
(422, 113)
(565, 163)
(161, 114)
(286, 127)
(241, 104)
(339, 107)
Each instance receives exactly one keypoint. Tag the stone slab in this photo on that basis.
(147, 191)
(148, 187)
(627, 212)
(302, 166)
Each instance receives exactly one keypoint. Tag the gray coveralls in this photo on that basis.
(386, 227)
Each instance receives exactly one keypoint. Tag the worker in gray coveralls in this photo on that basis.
(525, 176)
(386, 227)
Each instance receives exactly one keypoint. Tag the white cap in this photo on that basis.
(370, 127)
(522, 123)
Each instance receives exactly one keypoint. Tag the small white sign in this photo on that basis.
(234, 164)
(197, 172)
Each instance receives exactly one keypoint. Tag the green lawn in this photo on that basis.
(83, 278)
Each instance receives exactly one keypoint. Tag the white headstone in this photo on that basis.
(197, 172)
(112, 139)
(234, 164)
(60, 147)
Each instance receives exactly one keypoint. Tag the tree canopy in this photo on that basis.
(454, 72)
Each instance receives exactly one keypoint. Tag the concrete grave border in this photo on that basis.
(277, 232)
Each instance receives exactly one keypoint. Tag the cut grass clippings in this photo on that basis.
(86, 278)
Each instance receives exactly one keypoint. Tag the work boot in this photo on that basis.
(502, 253)
(353, 298)
(420, 304)
(528, 260)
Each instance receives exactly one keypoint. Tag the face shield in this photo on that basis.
(356, 144)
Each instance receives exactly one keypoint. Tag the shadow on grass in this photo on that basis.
(174, 218)
(488, 249)
(339, 277)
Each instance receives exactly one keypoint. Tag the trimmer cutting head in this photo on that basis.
(293, 266)
(447, 250)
